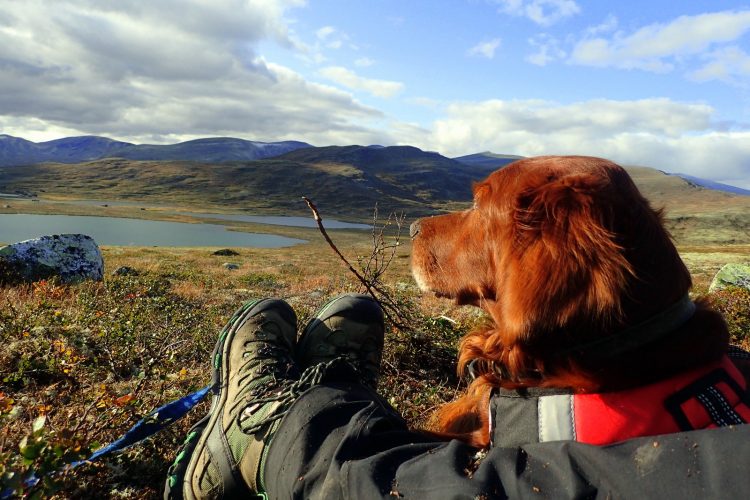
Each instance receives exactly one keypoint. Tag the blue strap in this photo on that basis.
(147, 426)
(150, 424)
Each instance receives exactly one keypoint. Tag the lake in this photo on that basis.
(135, 232)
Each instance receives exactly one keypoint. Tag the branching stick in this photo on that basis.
(390, 307)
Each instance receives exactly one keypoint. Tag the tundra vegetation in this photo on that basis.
(82, 363)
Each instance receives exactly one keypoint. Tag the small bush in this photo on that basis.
(734, 303)
(41, 459)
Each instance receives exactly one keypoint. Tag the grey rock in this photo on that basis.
(731, 275)
(69, 257)
(125, 271)
(225, 252)
(231, 266)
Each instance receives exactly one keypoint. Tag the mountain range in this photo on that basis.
(17, 151)
(717, 186)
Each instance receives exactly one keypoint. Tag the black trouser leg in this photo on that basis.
(341, 441)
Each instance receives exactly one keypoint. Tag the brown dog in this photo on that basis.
(584, 287)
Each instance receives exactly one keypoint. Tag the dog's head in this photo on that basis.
(559, 251)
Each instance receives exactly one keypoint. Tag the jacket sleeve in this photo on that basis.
(343, 441)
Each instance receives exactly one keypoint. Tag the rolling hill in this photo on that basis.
(347, 180)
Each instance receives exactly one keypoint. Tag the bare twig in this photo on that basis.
(82, 418)
(390, 306)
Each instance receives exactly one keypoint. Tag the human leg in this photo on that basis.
(340, 440)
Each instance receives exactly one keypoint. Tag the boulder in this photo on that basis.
(731, 275)
(231, 266)
(226, 252)
(68, 257)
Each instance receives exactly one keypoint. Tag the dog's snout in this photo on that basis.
(414, 228)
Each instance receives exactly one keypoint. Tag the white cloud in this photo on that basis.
(349, 79)
(547, 50)
(660, 133)
(364, 62)
(657, 47)
(332, 38)
(327, 37)
(135, 71)
(608, 25)
(729, 64)
(325, 32)
(542, 12)
(485, 49)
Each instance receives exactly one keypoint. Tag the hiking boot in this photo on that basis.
(253, 370)
(350, 327)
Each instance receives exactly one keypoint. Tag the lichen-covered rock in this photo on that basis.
(731, 275)
(69, 257)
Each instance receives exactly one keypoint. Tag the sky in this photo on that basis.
(658, 83)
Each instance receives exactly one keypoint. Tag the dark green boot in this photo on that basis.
(253, 372)
(350, 327)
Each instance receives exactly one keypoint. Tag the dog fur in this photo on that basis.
(559, 251)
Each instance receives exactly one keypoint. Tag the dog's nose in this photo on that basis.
(414, 228)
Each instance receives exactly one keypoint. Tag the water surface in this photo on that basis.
(136, 232)
(279, 220)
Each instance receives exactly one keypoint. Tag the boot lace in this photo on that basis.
(286, 391)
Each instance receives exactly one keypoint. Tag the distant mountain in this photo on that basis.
(408, 172)
(217, 149)
(718, 186)
(487, 160)
(493, 161)
(17, 151)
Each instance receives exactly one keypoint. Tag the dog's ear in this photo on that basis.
(569, 247)
(560, 207)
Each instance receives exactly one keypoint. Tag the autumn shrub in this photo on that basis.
(734, 303)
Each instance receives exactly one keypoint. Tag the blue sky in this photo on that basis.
(658, 83)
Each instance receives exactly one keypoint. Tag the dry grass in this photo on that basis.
(704, 262)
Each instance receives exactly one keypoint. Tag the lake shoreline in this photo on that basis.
(172, 213)
(156, 208)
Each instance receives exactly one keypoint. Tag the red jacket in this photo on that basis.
(710, 396)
